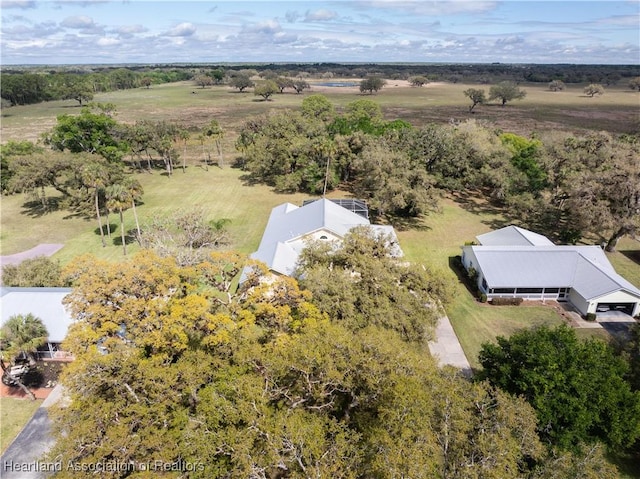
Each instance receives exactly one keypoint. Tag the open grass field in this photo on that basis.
(221, 192)
(616, 110)
(14, 414)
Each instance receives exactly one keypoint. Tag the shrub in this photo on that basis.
(483, 298)
(590, 317)
(506, 301)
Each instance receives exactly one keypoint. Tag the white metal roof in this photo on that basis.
(586, 269)
(281, 241)
(44, 303)
(513, 236)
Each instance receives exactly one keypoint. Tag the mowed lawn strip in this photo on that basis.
(14, 414)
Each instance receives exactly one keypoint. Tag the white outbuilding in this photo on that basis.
(515, 262)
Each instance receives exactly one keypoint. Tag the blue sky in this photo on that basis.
(479, 31)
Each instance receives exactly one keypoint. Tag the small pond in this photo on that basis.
(337, 83)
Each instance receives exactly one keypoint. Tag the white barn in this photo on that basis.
(514, 262)
(291, 227)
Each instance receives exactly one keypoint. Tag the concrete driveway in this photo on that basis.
(616, 323)
(23, 457)
(447, 349)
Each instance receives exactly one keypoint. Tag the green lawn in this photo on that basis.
(220, 192)
(14, 414)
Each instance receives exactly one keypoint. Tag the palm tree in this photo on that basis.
(97, 177)
(21, 335)
(214, 131)
(135, 191)
(118, 199)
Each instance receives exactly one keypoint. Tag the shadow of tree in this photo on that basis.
(404, 223)
(35, 208)
(455, 263)
(128, 239)
(633, 255)
(105, 229)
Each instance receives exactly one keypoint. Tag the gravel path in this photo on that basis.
(45, 249)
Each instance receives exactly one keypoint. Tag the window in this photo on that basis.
(529, 290)
(503, 290)
(484, 284)
(323, 237)
(551, 290)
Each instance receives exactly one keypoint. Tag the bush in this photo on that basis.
(590, 317)
(506, 301)
(40, 271)
(483, 298)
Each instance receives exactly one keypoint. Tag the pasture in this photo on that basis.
(222, 193)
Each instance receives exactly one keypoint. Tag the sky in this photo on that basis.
(477, 31)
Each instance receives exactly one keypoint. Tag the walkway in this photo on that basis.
(447, 349)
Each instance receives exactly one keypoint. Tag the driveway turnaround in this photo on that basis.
(45, 249)
(446, 348)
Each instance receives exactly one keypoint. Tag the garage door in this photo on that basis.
(626, 308)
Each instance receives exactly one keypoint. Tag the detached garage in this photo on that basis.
(514, 262)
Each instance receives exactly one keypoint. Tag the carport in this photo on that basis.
(626, 308)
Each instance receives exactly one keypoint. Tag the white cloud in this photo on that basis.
(129, 30)
(108, 41)
(185, 29)
(321, 15)
(78, 21)
(267, 27)
(448, 7)
(23, 4)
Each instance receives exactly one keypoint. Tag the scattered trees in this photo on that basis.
(505, 92)
(477, 97)
(266, 89)
(372, 84)
(203, 81)
(241, 82)
(299, 85)
(418, 80)
(556, 85)
(593, 90)
(634, 83)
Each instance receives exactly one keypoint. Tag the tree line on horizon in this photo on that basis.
(33, 84)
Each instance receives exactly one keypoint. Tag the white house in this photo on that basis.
(291, 227)
(514, 262)
(44, 303)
